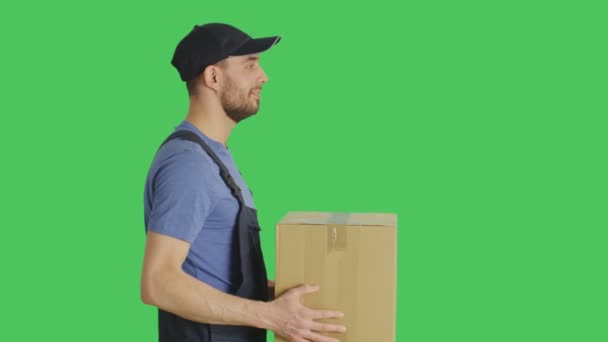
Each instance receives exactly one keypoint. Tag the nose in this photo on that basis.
(263, 76)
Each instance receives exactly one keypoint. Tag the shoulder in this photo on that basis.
(183, 161)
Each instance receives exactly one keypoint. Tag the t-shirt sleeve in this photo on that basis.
(182, 196)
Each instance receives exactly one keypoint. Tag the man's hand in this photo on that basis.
(297, 323)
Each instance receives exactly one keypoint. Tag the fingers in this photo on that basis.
(305, 289)
(314, 337)
(301, 324)
(325, 327)
(324, 314)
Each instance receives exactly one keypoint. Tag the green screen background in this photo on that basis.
(480, 123)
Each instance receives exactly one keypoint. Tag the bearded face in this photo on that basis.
(239, 102)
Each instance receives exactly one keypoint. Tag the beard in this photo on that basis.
(237, 105)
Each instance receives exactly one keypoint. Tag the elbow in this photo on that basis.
(155, 286)
(146, 297)
(145, 294)
(147, 291)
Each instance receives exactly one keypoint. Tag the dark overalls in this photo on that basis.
(253, 278)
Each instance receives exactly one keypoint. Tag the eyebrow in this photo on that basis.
(251, 58)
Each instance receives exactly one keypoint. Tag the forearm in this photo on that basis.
(188, 297)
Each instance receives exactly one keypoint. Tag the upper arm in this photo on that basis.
(163, 256)
(183, 194)
(163, 253)
(181, 199)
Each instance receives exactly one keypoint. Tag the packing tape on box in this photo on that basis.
(338, 218)
(336, 237)
(345, 275)
(336, 234)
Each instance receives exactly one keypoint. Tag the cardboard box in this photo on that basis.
(353, 258)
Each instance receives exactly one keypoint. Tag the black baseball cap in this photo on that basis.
(210, 43)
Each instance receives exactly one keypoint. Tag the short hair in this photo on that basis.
(191, 86)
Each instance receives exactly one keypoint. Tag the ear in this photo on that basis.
(212, 77)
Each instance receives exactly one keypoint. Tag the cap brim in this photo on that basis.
(258, 45)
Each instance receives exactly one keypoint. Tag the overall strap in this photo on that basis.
(224, 173)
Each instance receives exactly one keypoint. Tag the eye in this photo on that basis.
(252, 65)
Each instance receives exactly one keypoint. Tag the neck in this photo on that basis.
(209, 117)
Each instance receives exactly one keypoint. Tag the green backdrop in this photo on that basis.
(480, 123)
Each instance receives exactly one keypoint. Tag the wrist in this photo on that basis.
(265, 313)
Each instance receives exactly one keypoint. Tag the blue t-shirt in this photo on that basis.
(186, 198)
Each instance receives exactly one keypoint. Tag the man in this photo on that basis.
(203, 266)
